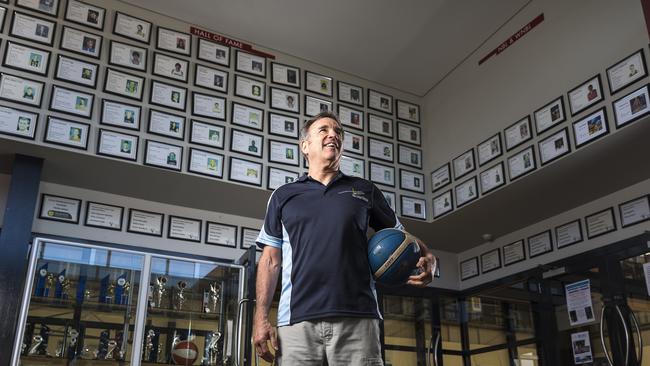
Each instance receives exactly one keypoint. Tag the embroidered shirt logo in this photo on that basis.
(356, 194)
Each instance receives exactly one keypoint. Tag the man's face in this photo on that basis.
(324, 141)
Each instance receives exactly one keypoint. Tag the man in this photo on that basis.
(315, 232)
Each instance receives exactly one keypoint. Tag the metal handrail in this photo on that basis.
(602, 334)
(627, 334)
(635, 322)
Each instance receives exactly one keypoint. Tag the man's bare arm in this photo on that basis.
(268, 271)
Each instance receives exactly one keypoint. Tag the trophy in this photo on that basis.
(122, 290)
(158, 291)
(211, 349)
(102, 348)
(111, 345)
(40, 281)
(27, 338)
(151, 346)
(211, 298)
(39, 346)
(60, 282)
(104, 295)
(121, 352)
(49, 282)
(179, 300)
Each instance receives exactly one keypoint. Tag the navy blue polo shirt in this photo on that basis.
(322, 233)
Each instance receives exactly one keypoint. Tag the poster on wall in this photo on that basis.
(581, 347)
(578, 302)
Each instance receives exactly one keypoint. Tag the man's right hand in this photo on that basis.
(265, 332)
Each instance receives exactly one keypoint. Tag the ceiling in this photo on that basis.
(410, 45)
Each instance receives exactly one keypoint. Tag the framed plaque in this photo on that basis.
(66, 133)
(540, 244)
(250, 64)
(72, 102)
(491, 261)
(634, 211)
(351, 117)
(442, 204)
(466, 192)
(132, 27)
(85, 14)
(81, 42)
(409, 156)
(549, 115)
(554, 146)
(104, 216)
(250, 88)
(489, 149)
(213, 52)
(600, 223)
(411, 181)
(17, 122)
(210, 78)
(469, 269)
(76, 71)
(518, 133)
(57, 208)
(353, 166)
(382, 150)
(117, 145)
(283, 125)
(206, 163)
(522, 163)
(380, 125)
(171, 67)
(166, 124)
(123, 84)
(380, 101)
(173, 41)
(207, 134)
(129, 56)
(183, 228)
(631, 107)
(221, 234)
(353, 143)
(407, 111)
(21, 90)
(314, 105)
(283, 153)
(163, 155)
(413, 207)
(350, 93)
(285, 100)
(514, 253)
(26, 58)
(626, 71)
(168, 95)
(441, 177)
(210, 106)
(3, 15)
(390, 199)
(245, 171)
(408, 133)
(382, 174)
(464, 164)
(590, 128)
(248, 238)
(247, 116)
(585, 95)
(568, 234)
(145, 222)
(246, 143)
(492, 178)
(120, 114)
(278, 177)
(32, 28)
(49, 7)
(319, 84)
(285, 75)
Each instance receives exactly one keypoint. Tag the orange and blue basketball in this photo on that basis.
(393, 255)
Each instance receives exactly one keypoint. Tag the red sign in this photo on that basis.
(214, 37)
(514, 38)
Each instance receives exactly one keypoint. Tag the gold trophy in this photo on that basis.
(159, 290)
(180, 295)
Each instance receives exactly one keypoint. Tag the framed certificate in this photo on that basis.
(104, 216)
(210, 78)
(514, 253)
(250, 89)
(209, 106)
(469, 269)
(49, 7)
(380, 125)
(412, 207)
(66, 133)
(245, 171)
(129, 56)
(489, 149)
(123, 84)
(491, 261)
(285, 100)
(353, 143)
(32, 28)
(173, 41)
(247, 116)
(168, 95)
(600, 223)
(117, 145)
(283, 125)
(120, 114)
(250, 64)
(166, 124)
(440, 177)
(626, 71)
(380, 101)
(278, 177)
(25, 58)
(382, 174)
(57, 208)
(163, 155)
(132, 27)
(590, 128)
(351, 117)
(540, 244)
(206, 163)
(207, 134)
(634, 211)
(20, 90)
(81, 42)
(411, 181)
(442, 204)
(3, 15)
(319, 84)
(464, 164)
(246, 143)
(407, 111)
(390, 199)
(409, 156)
(183, 228)
(71, 102)
(568, 234)
(145, 222)
(17, 122)
(285, 75)
(314, 105)
(76, 71)
(221, 234)
(349, 93)
(554, 146)
(518, 133)
(549, 115)
(585, 95)
(382, 150)
(631, 107)
(248, 238)
(521, 163)
(466, 192)
(492, 178)
(283, 153)
(85, 14)
(213, 52)
(353, 167)
(408, 133)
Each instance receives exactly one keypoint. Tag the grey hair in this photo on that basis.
(304, 131)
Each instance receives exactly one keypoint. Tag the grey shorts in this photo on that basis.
(332, 341)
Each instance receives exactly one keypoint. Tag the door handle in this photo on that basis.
(602, 334)
(435, 349)
(428, 358)
(635, 322)
(627, 334)
(239, 329)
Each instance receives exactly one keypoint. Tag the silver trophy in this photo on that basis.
(159, 290)
(37, 340)
(148, 344)
(111, 347)
(212, 349)
(180, 295)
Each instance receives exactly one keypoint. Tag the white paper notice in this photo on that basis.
(581, 346)
(578, 301)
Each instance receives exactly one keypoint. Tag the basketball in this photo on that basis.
(393, 255)
(185, 353)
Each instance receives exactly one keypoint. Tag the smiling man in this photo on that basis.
(314, 233)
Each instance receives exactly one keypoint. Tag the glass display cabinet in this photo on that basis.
(101, 305)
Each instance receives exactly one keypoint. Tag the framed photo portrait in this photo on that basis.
(166, 124)
(72, 102)
(210, 106)
(221, 234)
(250, 64)
(170, 67)
(464, 164)
(353, 143)
(379, 125)
(549, 115)
(81, 42)
(245, 171)
(246, 143)
(412, 207)
(18, 122)
(123, 84)
(411, 181)
(250, 88)
(466, 192)
(285, 100)
(489, 149)
(21, 90)
(120, 114)
(441, 177)
(247, 116)
(409, 156)
(284, 153)
(522, 163)
(26, 58)
(314, 105)
(76, 71)
(518, 133)
(554, 146)
(168, 95)
(382, 174)
(132, 27)
(632, 106)
(585, 95)
(351, 117)
(382, 150)
(391, 199)
(349, 93)
(32, 28)
(319, 84)
(129, 56)
(407, 111)
(206, 163)
(285, 75)
(380, 101)
(626, 71)
(278, 177)
(173, 41)
(590, 128)
(66, 133)
(353, 167)
(442, 204)
(213, 52)
(85, 14)
(163, 155)
(117, 145)
(492, 178)
(207, 134)
(408, 133)
(49, 7)
(210, 78)
(283, 125)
